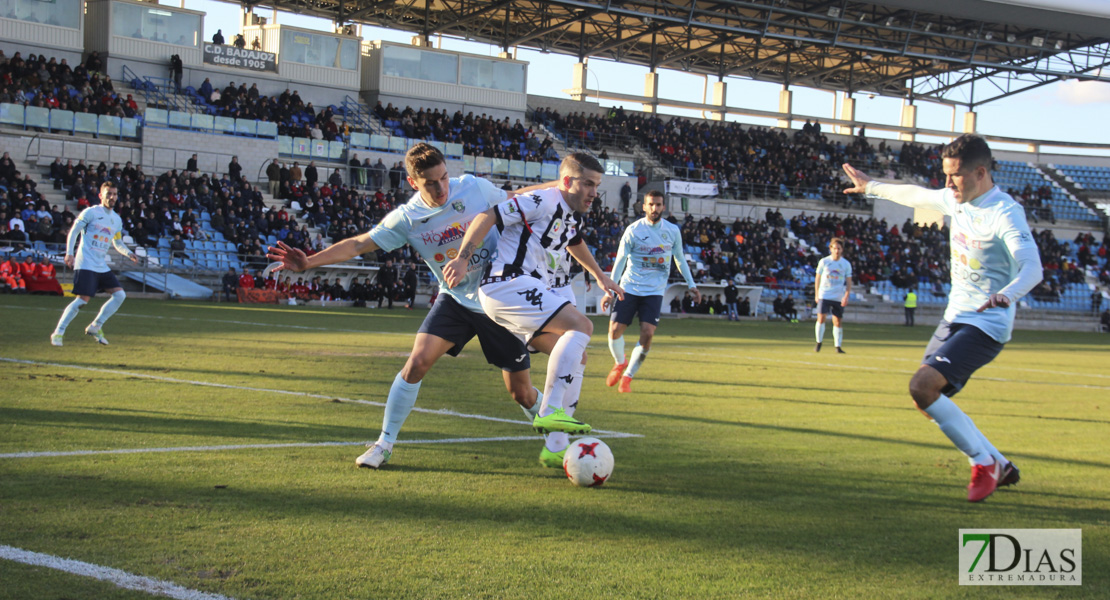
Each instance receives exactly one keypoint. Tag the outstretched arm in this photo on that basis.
(913, 196)
(455, 271)
(294, 259)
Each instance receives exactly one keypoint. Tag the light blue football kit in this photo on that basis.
(646, 252)
(992, 252)
(436, 232)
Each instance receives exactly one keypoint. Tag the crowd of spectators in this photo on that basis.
(745, 160)
(480, 135)
(294, 116)
(50, 83)
(1035, 202)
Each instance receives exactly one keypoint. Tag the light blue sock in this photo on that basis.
(110, 307)
(68, 314)
(819, 329)
(616, 348)
(402, 397)
(838, 336)
(637, 359)
(959, 428)
(987, 445)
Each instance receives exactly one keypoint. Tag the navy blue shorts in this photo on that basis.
(455, 323)
(831, 306)
(88, 283)
(648, 307)
(957, 350)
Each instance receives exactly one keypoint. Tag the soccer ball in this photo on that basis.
(588, 462)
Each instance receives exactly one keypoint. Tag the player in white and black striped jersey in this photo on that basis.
(516, 290)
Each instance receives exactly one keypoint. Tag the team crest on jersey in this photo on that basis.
(458, 206)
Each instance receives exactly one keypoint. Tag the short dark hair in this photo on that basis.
(577, 162)
(970, 149)
(651, 194)
(422, 157)
(107, 185)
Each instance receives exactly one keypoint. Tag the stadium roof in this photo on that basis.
(965, 52)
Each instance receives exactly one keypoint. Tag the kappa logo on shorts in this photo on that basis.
(533, 295)
(568, 378)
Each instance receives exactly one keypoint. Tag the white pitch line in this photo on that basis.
(228, 321)
(445, 412)
(117, 577)
(515, 438)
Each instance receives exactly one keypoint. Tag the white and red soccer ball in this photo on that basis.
(588, 462)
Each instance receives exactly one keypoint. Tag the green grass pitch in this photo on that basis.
(760, 469)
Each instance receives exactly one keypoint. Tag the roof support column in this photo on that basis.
(971, 120)
(909, 119)
(720, 92)
(651, 90)
(578, 89)
(786, 106)
(847, 113)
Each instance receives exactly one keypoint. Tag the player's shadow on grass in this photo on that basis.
(855, 436)
(206, 429)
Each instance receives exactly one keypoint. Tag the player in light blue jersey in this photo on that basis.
(831, 288)
(433, 223)
(994, 263)
(642, 267)
(99, 228)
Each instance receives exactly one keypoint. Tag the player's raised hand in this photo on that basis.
(859, 179)
(454, 271)
(610, 287)
(291, 259)
(995, 301)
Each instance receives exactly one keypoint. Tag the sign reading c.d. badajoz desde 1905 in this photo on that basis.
(230, 56)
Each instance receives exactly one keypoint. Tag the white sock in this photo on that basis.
(398, 405)
(561, 366)
(1002, 460)
(616, 348)
(557, 441)
(638, 356)
(110, 307)
(959, 428)
(535, 410)
(820, 330)
(68, 314)
(838, 335)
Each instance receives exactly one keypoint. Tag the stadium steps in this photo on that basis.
(174, 286)
(1084, 197)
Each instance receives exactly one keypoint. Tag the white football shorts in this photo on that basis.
(522, 305)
